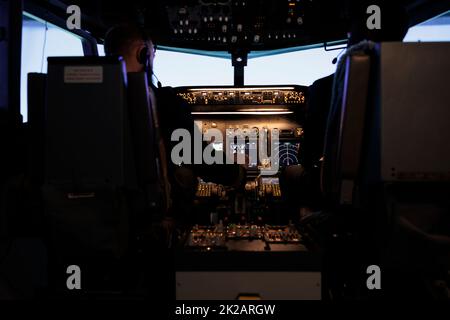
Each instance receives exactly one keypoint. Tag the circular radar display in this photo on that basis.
(287, 154)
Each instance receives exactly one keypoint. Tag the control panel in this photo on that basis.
(253, 24)
(244, 96)
(227, 22)
(210, 189)
(244, 138)
(217, 236)
(269, 187)
(259, 128)
(249, 116)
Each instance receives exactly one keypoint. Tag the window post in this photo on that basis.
(10, 58)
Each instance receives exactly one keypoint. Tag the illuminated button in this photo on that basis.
(224, 28)
(239, 28)
(300, 20)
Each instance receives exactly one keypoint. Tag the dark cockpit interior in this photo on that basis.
(116, 185)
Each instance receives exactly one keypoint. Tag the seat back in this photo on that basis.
(345, 128)
(37, 83)
(146, 143)
(87, 122)
(415, 112)
(380, 102)
(414, 157)
(89, 156)
(387, 152)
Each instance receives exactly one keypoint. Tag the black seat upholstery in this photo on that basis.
(36, 125)
(145, 141)
(104, 187)
(387, 159)
(415, 158)
(344, 133)
(90, 171)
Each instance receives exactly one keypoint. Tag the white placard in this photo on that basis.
(83, 74)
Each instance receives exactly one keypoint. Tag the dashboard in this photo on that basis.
(243, 96)
(250, 118)
(244, 121)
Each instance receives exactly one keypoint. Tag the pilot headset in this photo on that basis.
(143, 56)
(144, 59)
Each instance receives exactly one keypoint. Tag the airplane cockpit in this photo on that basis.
(194, 150)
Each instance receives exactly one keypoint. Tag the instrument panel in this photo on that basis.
(246, 116)
(244, 96)
(261, 129)
(213, 237)
(257, 24)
